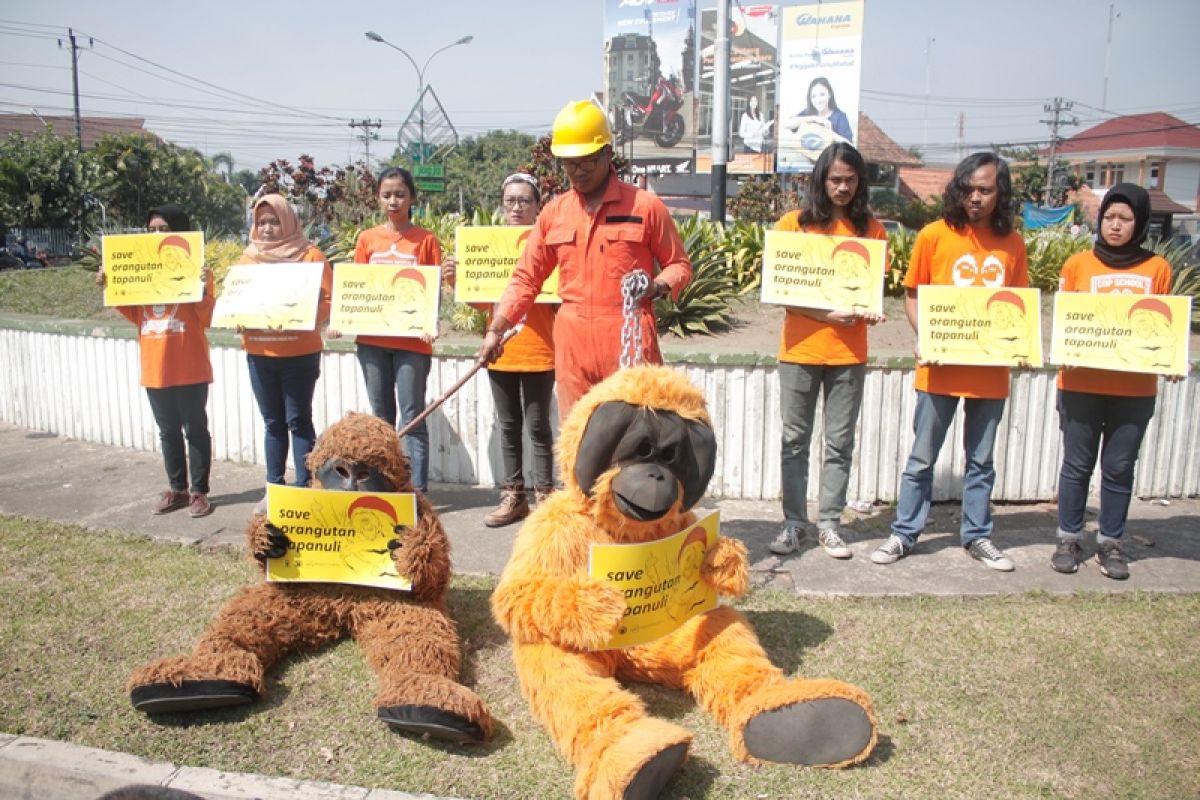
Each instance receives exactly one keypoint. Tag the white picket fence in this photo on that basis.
(86, 387)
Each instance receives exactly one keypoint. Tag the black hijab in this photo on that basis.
(1131, 253)
(173, 215)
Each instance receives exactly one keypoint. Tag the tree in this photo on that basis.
(45, 182)
(138, 173)
(1029, 177)
(328, 196)
(475, 167)
(761, 199)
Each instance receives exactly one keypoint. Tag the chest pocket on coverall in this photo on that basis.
(623, 245)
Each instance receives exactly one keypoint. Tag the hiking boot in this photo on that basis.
(513, 506)
(169, 501)
(892, 550)
(1066, 556)
(788, 541)
(199, 505)
(542, 493)
(833, 544)
(1111, 559)
(992, 556)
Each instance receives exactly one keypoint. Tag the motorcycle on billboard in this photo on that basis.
(655, 115)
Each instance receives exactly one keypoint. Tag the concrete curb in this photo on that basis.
(41, 769)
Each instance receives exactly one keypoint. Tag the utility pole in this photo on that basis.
(1057, 108)
(367, 135)
(928, 49)
(962, 124)
(75, 48)
(1107, 50)
(720, 113)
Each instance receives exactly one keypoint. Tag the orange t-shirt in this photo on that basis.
(1083, 272)
(382, 245)
(172, 342)
(809, 341)
(282, 344)
(531, 350)
(943, 256)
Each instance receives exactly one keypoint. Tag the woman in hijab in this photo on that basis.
(1101, 411)
(284, 365)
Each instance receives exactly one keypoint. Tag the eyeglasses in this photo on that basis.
(518, 202)
(583, 162)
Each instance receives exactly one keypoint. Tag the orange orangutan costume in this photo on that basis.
(408, 638)
(637, 452)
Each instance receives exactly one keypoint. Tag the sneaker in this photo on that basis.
(833, 544)
(1111, 559)
(788, 540)
(992, 556)
(169, 501)
(199, 505)
(892, 550)
(1066, 556)
(513, 507)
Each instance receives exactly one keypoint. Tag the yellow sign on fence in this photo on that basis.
(1125, 332)
(339, 537)
(385, 299)
(812, 270)
(980, 326)
(487, 256)
(270, 296)
(661, 581)
(143, 269)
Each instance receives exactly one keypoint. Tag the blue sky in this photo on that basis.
(996, 63)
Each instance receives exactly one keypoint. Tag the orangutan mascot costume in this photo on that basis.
(637, 452)
(408, 638)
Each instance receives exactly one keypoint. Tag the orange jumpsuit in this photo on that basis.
(631, 230)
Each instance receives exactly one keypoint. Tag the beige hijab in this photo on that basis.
(291, 245)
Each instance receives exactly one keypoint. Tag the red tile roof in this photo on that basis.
(1153, 131)
(1089, 203)
(93, 128)
(879, 148)
(924, 183)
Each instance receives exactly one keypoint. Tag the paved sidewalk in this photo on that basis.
(100, 487)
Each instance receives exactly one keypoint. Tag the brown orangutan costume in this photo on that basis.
(637, 452)
(408, 638)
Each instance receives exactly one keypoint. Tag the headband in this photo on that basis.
(525, 178)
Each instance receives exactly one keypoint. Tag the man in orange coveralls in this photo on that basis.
(596, 234)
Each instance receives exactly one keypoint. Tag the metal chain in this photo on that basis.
(633, 288)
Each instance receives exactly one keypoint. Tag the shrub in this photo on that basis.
(705, 304)
(1047, 250)
(219, 256)
(900, 244)
(743, 242)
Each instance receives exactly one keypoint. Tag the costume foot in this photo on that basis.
(655, 774)
(822, 732)
(167, 698)
(433, 721)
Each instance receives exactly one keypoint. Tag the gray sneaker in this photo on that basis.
(1066, 556)
(833, 544)
(892, 550)
(1111, 559)
(788, 541)
(992, 556)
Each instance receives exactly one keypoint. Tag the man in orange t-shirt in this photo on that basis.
(824, 352)
(974, 244)
(596, 234)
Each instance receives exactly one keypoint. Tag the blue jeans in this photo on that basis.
(800, 387)
(1086, 419)
(933, 417)
(397, 378)
(284, 390)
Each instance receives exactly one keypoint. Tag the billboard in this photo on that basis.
(649, 69)
(753, 66)
(820, 56)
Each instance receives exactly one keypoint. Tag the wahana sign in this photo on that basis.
(660, 581)
(152, 268)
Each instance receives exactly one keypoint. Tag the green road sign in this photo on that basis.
(429, 184)
(429, 171)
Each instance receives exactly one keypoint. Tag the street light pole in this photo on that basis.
(375, 37)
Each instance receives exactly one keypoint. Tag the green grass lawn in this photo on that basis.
(63, 292)
(1029, 697)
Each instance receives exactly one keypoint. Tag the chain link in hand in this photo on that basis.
(633, 288)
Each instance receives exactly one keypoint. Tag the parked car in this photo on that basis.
(892, 226)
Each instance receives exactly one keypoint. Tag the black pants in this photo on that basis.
(180, 412)
(524, 397)
(1086, 420)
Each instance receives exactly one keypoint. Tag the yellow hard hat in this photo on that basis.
(580, 129)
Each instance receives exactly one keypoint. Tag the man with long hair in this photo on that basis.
(824, 352)
(973, 244)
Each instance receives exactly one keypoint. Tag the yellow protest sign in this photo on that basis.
(487, 256)
(143, 269)
(385, 299)
(270, 296)
(1125, 332)
(812, 270)
(339, 537)
(980, 325)
(660, 579)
